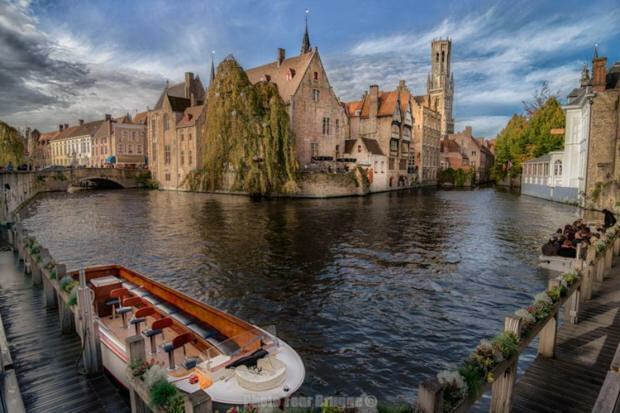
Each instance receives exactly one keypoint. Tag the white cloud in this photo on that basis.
(500, 57)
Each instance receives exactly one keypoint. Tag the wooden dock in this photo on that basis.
(44, 359)
(572, 380)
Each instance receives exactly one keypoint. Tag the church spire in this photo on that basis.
(305, 43)
(212, 74)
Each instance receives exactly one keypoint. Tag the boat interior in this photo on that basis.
(180, 333)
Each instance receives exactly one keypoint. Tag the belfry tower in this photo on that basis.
(440, 85)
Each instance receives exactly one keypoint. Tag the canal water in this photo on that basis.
(375, 293)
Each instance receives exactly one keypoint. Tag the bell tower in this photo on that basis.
(440, 83)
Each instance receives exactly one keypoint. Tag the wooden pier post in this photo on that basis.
(599, 268)
(91, 355)
(430, 396)
(35, 270)
(67, 319)
(49, 293)
(19, 241)
(137, 353)
(609, 257)
(502, 390)
(588, 274)
(10, 237)
(572, 307)
(548, 334)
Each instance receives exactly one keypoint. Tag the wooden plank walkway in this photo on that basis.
(43, 358)
(572, 380)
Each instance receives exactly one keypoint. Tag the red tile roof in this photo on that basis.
(280, 74)
(190, 115)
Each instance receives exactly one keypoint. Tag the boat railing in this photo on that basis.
(241, 345)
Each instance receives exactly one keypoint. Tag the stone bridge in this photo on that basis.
(16, 188)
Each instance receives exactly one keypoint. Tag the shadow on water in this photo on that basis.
(376, 293)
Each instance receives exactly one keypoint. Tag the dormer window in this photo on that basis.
(290, 74)
(316, 76)
(267, 78)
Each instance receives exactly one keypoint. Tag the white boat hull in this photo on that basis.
(115, 359)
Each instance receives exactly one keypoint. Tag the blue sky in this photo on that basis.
(67, 60)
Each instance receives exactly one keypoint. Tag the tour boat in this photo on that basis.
(231, 360)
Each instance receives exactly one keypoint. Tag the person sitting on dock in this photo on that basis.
(610, 219)
(567, 250)
(550, 248)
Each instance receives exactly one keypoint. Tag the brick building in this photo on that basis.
(426, 139)
(41, 155)
(385, 120)
(452, 155)
(120, 142)
(173, 132)
(480, 157)
(603, 165)
(317, 117)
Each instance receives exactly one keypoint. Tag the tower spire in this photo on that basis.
(212, 74)
(305, 43)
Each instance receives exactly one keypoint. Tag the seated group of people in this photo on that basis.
(564, 242)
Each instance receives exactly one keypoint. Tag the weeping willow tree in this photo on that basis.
(247, 132)
(11, 146)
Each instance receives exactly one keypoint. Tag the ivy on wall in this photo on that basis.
(11, 146)
(246, 132)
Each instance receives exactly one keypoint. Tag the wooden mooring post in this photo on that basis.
(548, 334)
(49, 293)
(502, 393)
(67, 319)
(91, 356)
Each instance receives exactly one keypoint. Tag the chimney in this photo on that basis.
(81, 121)
(60, 127)
(373, 102)
(189, 79)
(599, 73)
(401, 85)
(108, 121)
(281, 55)
(66, 126)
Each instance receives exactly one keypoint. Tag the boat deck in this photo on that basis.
(121, 333)
(44, 359)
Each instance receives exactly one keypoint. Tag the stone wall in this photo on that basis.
(19, 187)
(558, 193)
(329, 185)
(603, 173)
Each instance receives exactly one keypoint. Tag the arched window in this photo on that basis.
(437, 57)
(443, 56)
(557, 168)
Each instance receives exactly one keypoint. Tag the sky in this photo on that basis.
(61, 61)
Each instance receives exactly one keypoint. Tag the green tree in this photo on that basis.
(525, 138)
(247, 132)
(11, 146)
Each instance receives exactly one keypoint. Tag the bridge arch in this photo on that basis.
(100, 182)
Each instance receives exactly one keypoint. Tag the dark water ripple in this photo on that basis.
(375, 293)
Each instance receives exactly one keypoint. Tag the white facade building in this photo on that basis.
(561, 175)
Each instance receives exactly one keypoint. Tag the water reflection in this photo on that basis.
(375, 293)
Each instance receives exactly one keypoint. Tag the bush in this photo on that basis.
(162, 393)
